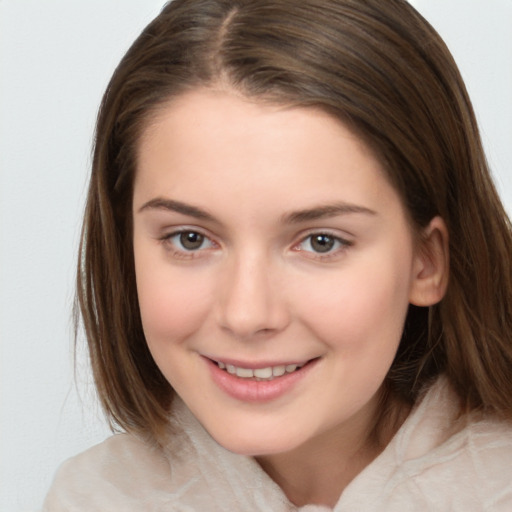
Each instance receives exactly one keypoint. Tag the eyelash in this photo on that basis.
(340, 244)
(184, 253)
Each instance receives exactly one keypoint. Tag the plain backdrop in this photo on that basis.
(56, 57)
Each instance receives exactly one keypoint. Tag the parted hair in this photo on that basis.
(381, 69)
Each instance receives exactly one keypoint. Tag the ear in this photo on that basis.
(431, 265)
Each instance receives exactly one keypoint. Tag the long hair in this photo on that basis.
(382, 70)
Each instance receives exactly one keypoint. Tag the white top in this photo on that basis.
(434, 463)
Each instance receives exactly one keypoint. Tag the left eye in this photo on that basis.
(322, 243)
(190, 241)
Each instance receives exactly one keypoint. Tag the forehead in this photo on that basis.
(225, 112)
(220, 144)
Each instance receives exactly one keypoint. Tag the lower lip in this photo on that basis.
(248, 390)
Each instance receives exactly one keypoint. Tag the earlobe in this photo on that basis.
(431, 265)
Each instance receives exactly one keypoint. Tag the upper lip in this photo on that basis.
(253, 365)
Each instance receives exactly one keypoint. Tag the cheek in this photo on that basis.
(362, 307)
(172, 305)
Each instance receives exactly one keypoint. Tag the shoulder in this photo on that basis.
(457, 463)
(472, 470)
(439, 461)
(118, 474)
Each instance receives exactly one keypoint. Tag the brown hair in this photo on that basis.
(377, 66)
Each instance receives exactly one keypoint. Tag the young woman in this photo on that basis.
(295, 270)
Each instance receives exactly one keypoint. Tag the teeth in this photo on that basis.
(245, 373)
(267, 373)
(263, 373)
(277, 371)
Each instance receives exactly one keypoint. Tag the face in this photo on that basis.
(274, 266)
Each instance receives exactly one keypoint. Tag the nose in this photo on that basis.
(251, 300)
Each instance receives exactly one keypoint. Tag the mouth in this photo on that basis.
(267, 373)
(259, 382)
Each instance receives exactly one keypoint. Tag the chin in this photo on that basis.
(255, 447)
(255, 442)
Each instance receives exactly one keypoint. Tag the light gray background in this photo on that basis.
(56, 57)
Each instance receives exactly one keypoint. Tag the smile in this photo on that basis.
(259, 374)
(258, 384)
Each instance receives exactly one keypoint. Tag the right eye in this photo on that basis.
(187, 242)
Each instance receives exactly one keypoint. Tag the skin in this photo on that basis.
(254, 180)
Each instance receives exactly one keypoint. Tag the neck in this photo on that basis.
(318, 471)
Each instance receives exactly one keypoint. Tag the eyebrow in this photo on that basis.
(160, 203)
(324, 212)
(296, 217)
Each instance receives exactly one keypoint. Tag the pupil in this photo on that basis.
(322, 243)
(190, 240)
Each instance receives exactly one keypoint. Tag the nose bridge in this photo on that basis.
(251, 300)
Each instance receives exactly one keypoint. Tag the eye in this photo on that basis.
(322, 243)
(188, 241)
